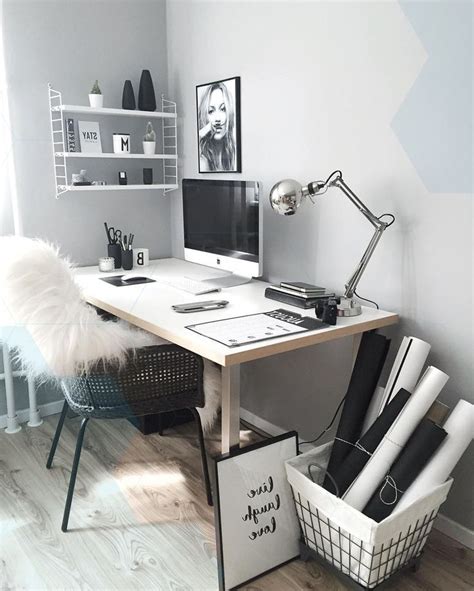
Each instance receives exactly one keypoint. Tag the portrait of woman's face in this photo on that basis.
(218, 106)
(217, 112)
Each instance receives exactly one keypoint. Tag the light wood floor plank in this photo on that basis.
(140, 520)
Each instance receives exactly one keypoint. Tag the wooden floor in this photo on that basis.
(140, 520)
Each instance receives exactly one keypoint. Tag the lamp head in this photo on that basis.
(286, 196)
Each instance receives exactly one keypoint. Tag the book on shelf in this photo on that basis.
(71, 140)
(295, 299)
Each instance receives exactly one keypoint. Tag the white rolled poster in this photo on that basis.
(460, 430)
(406, 370)
(426, 391)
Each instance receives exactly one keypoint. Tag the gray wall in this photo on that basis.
(70, 43)
(321, 84)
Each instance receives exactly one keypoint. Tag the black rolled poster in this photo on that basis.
(365, 376)
(424, 441)
(355, 461)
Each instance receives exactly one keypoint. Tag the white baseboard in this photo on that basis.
(50, 408)
(455, 530)
(447, 526)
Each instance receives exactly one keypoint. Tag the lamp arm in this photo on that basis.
(339, 182)
(336, 180)
(354, 279)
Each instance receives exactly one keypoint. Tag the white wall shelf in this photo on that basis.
(112, 155)
(119, 187)
(116, 112)
(169, 157)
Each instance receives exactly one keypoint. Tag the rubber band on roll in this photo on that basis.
(357, 445)
(389, 481)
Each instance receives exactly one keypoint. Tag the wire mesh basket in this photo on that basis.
(366, 551)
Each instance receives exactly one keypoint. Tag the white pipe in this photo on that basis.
(13, 425)
(35, 417)
(15, 374)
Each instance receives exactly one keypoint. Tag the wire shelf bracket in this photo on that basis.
(57, 131)
(170, 148)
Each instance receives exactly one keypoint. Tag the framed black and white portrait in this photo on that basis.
(218, 125)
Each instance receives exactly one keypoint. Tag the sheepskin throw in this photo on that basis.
(56, 333)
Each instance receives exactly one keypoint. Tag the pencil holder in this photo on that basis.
(127, 260)
(115, 251)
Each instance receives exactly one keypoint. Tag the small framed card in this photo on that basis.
(89, 136)
(256, 524)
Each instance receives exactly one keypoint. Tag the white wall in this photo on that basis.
(321, 84)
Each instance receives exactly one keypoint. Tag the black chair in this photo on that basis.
(153, 380)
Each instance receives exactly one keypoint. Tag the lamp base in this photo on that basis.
(348, 307)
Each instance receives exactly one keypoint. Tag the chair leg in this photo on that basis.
(57, 435)
(159, 419)
(72, 480)
(205, 468)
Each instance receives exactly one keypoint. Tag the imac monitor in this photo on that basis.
(222, 227)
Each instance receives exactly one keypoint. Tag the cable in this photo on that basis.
(326, 473)
(367, 300)
(390, 215)
(327, 428)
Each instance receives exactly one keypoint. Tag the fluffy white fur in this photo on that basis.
(64, 336)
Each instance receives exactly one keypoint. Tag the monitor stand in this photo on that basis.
(230, 280)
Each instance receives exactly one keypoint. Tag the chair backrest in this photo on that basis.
(56, 332)
(157, 379)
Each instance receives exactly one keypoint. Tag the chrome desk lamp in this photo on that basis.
(287, 195)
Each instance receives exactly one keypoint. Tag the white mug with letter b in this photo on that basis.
(141, 257)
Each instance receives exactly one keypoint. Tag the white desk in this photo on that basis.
(149, 307)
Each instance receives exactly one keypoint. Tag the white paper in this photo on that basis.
(245, 330)
(406, 370)
(460, 429)
(427, 390)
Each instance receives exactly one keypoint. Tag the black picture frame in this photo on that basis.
(229, 543)
(220, 155)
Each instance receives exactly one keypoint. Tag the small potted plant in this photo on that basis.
(149, 140)
(96, 98)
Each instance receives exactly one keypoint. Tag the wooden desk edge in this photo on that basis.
(236, 356)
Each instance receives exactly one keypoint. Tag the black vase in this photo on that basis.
(146, 93)
(128, 96)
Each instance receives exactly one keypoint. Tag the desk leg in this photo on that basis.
(356, 339)
(230, 407)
